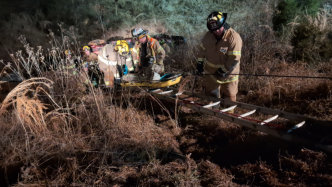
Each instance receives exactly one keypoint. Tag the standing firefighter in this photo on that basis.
(219, 58)
(148, 55)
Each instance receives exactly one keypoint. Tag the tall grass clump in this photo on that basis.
(312, 38)
(60, 130)
(57, 129)
(265, 52)
(287, 10)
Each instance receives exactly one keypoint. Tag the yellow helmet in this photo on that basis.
(216, 20)
(122, 47)
(86, 48)
(67, 52)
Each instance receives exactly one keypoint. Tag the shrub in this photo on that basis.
(311, 7)
(312, 38)
(288, 9)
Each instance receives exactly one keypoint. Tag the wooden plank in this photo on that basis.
(247, 114)
(156, 90)
(211, 105)
(179, 93)
(269, 120)
(228, 109)
(166, 92)
(299, 125)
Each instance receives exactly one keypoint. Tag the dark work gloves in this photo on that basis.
(221, 73)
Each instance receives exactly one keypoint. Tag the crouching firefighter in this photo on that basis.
(90, 57)
(115, 62)
(148, 55)
(219, 58)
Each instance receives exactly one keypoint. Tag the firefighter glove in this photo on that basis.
(220, 73)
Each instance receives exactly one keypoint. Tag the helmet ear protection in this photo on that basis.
(216, 20)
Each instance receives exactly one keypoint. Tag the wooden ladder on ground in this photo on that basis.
(284, 125)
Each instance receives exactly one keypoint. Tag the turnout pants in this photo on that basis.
(227, 91)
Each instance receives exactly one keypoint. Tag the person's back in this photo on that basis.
(115, 62)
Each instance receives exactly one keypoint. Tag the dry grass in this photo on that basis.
(212, 175)
(176, 173)
(306, 96)
(57, 130)
(307, 168)
(64, 131)
(59, 142)
(257, 174)
(24, 99)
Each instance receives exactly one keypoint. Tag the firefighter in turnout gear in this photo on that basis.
(93, 48)
(219, 58)
(115, 62)
(90, 58)
(148, 55)
(71, 63)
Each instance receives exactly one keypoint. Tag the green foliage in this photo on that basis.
(308, 32)
(176, 15)
(305, 42)
(310, 7)
(287, 10)
(107, 18)
(96, 18)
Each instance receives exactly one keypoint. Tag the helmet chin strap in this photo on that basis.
(218, 35)
(224, 28)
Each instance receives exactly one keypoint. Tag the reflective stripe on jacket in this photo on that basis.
(109, 61)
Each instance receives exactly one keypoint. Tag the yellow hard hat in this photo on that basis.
(86, 48)
(67, 52)
(216, 20)
(122, 47)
